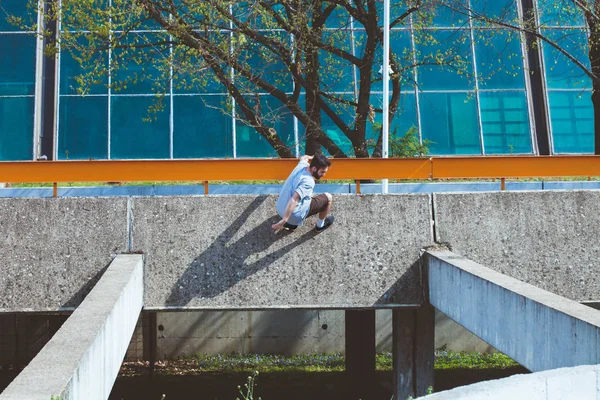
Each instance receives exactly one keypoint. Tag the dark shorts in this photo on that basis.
(317, 204)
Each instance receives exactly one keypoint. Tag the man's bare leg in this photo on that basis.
(325, 212)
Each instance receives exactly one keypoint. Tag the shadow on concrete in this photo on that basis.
(408, 282)
(80, 295)
(226, 262)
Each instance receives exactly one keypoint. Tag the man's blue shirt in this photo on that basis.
(301, 182)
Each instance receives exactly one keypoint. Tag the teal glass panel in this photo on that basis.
(561, 72)
(502, 10)
(401, 47)
(439, 15)
(17, 64)
(143, 70)
(572, 120)
(131, 136)
(76, 15)
(346, 114)
(447, 60)
(192, 75)
(450, 121)
(16, 128)
(337, 74)
(560, 13)
(505, 122)
(71, 69)
(250, 143)
(83, 128)
(201, 128)
(14, 8)
(339, 18)
(499, 60)
(404, 119)
(256, 16)
(266, 65)
(398, 16)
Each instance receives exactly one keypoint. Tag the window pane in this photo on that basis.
(572, 120)
(505, 121)
(504, 10)
(404, 119)
(16, 128)
(131, 136)
(337, 74)
(251, 144)
(447, 55)
(201, 129)
(192, 75)
(83, 128)
(560, 13)
(70, 69)
(346, 114)
(499, 60)
(17, 64)
(560, 71)
(442, 16)
(144, 70)
(14, 8)
(450, 121)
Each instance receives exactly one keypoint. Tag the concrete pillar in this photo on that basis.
(412, 351)
(360, 353)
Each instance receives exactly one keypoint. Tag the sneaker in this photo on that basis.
(328, 222)
(290, 227)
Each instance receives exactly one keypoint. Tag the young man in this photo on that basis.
(295, 202)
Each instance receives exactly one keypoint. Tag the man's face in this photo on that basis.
(318, 173)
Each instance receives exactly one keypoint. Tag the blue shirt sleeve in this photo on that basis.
(304, 188)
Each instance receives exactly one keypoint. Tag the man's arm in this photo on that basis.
(306, 158)
(291, 205)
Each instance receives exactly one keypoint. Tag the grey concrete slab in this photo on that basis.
(54, 250)
(548, 239)
(219, 252)
(538, 329)
(83, 358)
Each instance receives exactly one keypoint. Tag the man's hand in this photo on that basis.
(278, 226)
(306, 158)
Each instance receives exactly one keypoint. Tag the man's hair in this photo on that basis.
(320, 161)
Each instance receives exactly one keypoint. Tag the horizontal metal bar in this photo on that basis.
(279, 169)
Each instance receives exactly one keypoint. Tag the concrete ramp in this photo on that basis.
(83, 358)
(536, 328)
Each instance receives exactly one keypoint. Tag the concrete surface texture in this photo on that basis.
(55, 250)
(219, 252)
(82, 359)
(576, 383)
(285, 332)
(548, 239)
(536, 328)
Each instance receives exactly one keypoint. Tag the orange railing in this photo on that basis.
(278, 169)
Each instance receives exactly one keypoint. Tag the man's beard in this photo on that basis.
(315, 175)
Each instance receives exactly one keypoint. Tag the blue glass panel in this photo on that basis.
(143, 70)
(192, 75)
(441, 16)
(255, 16)
(251, 144)
(505, 121)
(404, 119)
(560, 71)
(16, 128)
(339, 18)
(450, 121)
(346, 113)
(200, 127)
(560, 13)
(572, 119)
(401, 48)
(70, 69)
(447, 58)
(17, 64)
(499, 60)
(14, 8)
(131, 135)
(83, 128)
(337, 74)
(503, 10)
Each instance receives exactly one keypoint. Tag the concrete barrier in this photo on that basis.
(577, 383)
(547, 239)
(538, 329)
(82, 359)
(219, 252)
(55, 250)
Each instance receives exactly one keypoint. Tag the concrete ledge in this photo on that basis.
(547, 238)
(575, 383)
(536, 328)
(82, 359)
(219, 252)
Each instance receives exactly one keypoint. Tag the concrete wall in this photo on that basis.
(55, 250)
(536, 328)
(548, 239)
(577, 383)
(82, 359)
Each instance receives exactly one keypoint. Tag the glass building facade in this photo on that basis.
(486, 109)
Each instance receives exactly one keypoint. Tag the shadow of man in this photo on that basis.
(226, 261)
